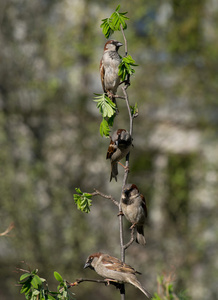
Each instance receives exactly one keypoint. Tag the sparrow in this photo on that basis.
(134, 208)
(112, 268)
(109, 67)
(119, 147)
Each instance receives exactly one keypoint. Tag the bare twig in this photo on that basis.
(5, 233)
(131, 239)
(128, 107)
(105, 281)
(122, 246)
(120, 97)
(22, 270)
(125, 41)
(122, 253)
(105, 196)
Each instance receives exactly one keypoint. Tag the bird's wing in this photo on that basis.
(115, 264)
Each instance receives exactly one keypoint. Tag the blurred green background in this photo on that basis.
(50, 142)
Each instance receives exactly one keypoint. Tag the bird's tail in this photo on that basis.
(137, 284)
(114, 171)
(140, 238)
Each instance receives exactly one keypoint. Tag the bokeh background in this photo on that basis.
(50, 142)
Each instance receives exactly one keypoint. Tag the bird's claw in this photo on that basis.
(120, 213)
(133, 226)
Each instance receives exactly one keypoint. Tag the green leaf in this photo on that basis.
(58, 277)
(134, 110)
(78, 191)
(87, 195)
(109, 25)
(34, 272)
(111, 120)
(118, 19)
(35, 293)
(104, 128)
(36, 282)
(118, 8)
(125, 67)
(25, 288)
(106, 107)
(25, 276)
(83, 201)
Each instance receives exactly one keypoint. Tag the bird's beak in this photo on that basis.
(119, 44)
(87, 264)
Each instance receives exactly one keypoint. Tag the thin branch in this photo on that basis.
(126, 52)
(128, 107)
(125, 41)
(122, 248)
(78, 281)
(105, 196)
(5, 233)
(120, 97)
(22, 270)
(131, 239)
(105, 281)
(122, 253)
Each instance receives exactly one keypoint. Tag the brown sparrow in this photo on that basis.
(119, 147)
(134, 209)
(112, 268)
(109, 66)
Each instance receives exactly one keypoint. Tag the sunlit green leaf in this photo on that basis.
(118, 8)
(125, 67)
(25, 288)
(106, 107)
(78, 191)
(134, 110)
(83, 201)
(58, 276)
(109, 25)
(25, 276)
(36, 282)
(104, 128)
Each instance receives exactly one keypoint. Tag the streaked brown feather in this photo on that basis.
(117, 265)
(102, 72)
(111, 149)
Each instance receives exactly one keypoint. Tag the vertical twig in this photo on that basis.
(122, 246)
(128, 107)
(125, 41)
(122, 249)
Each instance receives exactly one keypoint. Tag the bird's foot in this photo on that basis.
(125, 167)
(133, 226)
(120, 213)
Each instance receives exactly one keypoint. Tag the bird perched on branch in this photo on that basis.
(134, 209)
(119, 147)
(109, 67)
(112, 268)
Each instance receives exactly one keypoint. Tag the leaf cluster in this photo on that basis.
(134, 110)
(83, 200)
(108, 111)
(125, 67)
(114, 22)
(36, 288)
